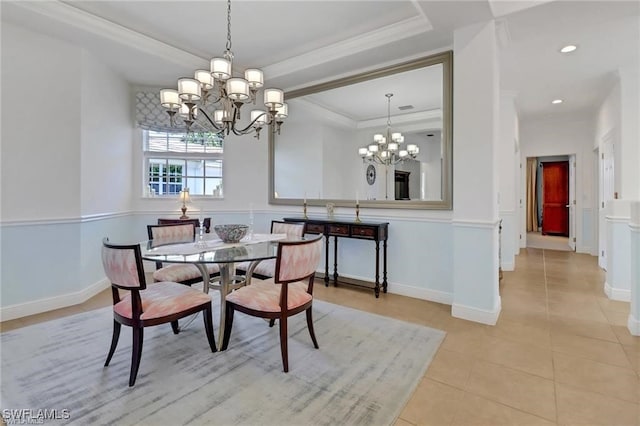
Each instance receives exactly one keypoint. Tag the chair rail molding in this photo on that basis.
(65, 220)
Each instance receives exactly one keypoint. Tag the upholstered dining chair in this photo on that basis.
(266, 268)
(179, 272)
(142, 306)
(277, 298)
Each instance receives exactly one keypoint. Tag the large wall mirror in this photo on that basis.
(326, 150)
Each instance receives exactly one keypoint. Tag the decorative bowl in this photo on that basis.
(231, 233)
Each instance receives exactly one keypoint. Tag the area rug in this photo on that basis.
(366, 369)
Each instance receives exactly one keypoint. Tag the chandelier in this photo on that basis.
(385, 149)
(217, 96)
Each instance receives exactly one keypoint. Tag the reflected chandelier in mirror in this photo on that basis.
(321, 156)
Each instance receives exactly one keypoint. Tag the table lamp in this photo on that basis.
(184, 197)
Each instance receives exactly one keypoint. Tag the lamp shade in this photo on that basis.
(238, 89)
(219, 116)
(169, 99)
(282, 112)
(184, 196)
(392, 147)
(220, 68)
(189, 89)
(205, 78)
(273, 98)
(255, 77)
(373, 148)
(363, 152)
(259, 116)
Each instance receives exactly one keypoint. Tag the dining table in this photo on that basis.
(207, 249)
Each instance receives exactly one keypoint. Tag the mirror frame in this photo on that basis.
(446, 203)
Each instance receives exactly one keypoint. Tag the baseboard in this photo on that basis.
(477, 315)
(43, 305)
(622, 295)
(399, 289)
(422, 293)
(633, 324)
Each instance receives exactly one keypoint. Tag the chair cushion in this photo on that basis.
(163, 299)
(179, 272)
(265, 296)
(266, 268)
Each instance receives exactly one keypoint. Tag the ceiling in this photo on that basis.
(300, 42)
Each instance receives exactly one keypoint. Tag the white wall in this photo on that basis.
(106, 134)
(475, 183)
(41, 112)
(509, 179)
(565, 135)
(76, 143)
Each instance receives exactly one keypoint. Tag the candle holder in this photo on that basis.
(304, 209)
(358, 213)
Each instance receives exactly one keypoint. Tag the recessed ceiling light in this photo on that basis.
(556, 101)
(568, 48)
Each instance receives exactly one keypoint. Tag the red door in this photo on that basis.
(555, 198)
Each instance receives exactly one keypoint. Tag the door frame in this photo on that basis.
(524, 204)
(572, 201)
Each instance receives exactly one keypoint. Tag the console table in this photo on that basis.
(374, 231)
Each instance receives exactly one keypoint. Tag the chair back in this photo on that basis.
(123, 265)
(292, 229)
(298, 260)
(172, 233)
(206, 222)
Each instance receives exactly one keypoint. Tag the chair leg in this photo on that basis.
(272, 322)
(136, 354)
(284, 350)
(228, 322)
(208, 327)
(310, 327)
(175, 327)
(114, 341)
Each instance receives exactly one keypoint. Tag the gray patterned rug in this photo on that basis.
(363, 374)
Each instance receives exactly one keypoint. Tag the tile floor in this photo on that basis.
(559, 354)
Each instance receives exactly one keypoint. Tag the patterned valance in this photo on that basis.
(150, 115)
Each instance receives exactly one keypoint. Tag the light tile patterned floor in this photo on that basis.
(559, 354)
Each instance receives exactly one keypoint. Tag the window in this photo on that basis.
(175, 161)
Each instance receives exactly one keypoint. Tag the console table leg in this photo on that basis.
(384, 267)
(326, 261)
(377, 288)
(335, 261)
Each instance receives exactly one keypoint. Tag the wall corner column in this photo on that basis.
(475, 216)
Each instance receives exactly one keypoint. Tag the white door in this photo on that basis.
(607, 173)
(572, 202)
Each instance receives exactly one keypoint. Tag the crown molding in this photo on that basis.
(371, 40)
(85, 21)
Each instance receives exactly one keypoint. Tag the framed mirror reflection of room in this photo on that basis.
(382, 138)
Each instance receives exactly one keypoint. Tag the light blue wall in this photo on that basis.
(46, 260)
